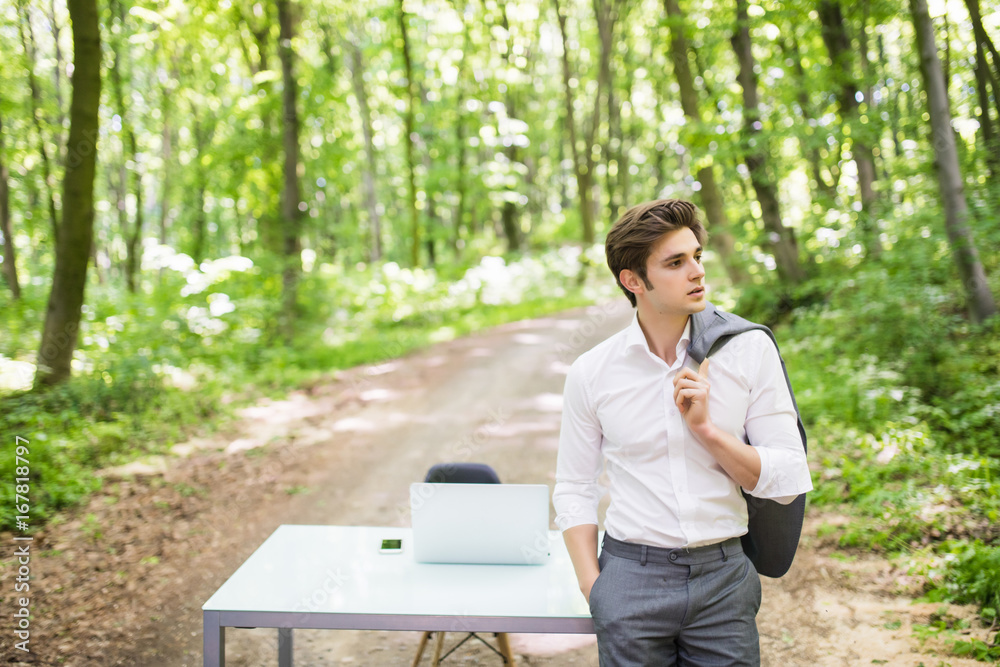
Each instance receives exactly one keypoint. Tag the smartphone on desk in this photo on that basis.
(391, 547)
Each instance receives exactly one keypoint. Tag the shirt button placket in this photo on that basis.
(675, 451)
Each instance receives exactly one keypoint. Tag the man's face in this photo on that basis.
(675, 275)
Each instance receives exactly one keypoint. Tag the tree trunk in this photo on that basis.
(408, 140)
(370, 171)
(28, 43)
(269, 144)
(461, 185)
(290, 196)
(956, 212)
(985, 81)
(983, 40)
(57, 71)
(167, 142)
(838, 44)
(987, 133)
(582, 160)
(511, 231)
(198, 251)
(509, 213)
(711, 198)
(332, 66)
(202, 138)
(866, 74)
(9, 254)
(134, 234)
(627, 135)
(780, 239)
(893, 110)
(432, 223)
(662, 97)
(62, 317)
(606, 13)
(131, 232)
(869, 200)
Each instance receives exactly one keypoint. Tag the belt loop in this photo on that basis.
(642, 558)
(725, 556)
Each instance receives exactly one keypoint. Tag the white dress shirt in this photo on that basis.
(666, 488)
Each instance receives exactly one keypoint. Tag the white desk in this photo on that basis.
(333, 577)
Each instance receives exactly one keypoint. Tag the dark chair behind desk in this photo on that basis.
(462, 473)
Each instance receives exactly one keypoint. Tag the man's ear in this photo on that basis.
(631, 281)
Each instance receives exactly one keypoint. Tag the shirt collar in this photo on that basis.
(634, 337)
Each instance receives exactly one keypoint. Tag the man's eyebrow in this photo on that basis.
(679, 255)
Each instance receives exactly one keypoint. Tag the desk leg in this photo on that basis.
(213, 640)
(284, 647)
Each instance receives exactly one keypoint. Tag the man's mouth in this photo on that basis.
(697, 291)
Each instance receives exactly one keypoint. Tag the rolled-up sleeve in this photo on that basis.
(772, 428)
(577, 491)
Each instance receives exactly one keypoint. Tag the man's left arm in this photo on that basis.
(691, 390)
(772, 428)
(775, 467)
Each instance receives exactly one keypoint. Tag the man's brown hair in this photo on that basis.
(632, 238)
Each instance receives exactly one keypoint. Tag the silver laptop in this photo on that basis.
(497, 524)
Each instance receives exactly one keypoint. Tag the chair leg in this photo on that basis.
(420, 648)
(504, 644)
(437, 649)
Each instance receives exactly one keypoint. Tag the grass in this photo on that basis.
(902, 404)
(157, 367)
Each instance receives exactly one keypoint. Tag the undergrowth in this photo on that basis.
(178, 358)
(901, 398)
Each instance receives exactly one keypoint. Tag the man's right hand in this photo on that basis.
(587, 584)
(581, 543)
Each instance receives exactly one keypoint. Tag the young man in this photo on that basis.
(672, 585)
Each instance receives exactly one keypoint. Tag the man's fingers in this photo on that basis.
(686, 372)
(684, 396)
(686, 385)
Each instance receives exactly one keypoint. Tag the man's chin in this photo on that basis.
(699, 305)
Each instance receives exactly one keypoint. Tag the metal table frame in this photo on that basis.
(383, 592)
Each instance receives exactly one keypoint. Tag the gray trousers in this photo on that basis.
(664, 607)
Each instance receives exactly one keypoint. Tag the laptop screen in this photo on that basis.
(499, 524)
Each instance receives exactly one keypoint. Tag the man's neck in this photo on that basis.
(662, 332)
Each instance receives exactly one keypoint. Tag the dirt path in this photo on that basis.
(121, 582)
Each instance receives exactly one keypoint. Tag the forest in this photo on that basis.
(206, 203)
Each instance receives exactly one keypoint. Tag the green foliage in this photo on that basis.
(156, 366)
(971, 575)
(108, 416)
(900, 393)
(905, 491)
(954, 632)
(978, 649)
(894, 344)
(900, 396)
